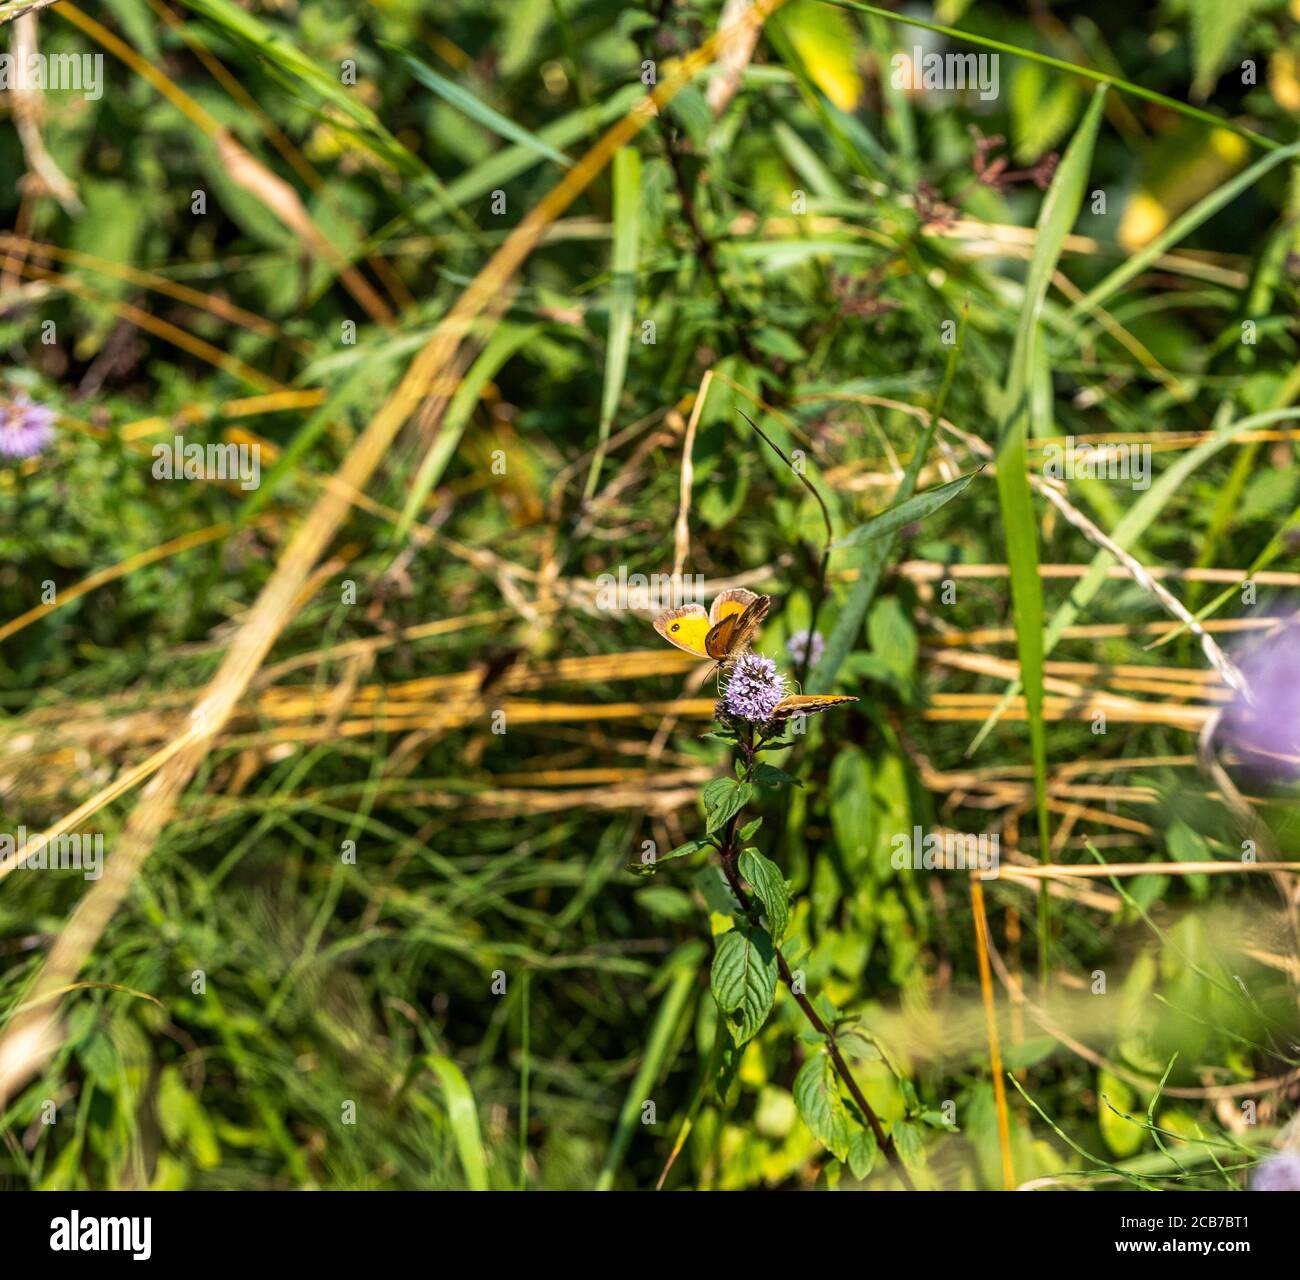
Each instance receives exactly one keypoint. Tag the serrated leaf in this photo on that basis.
(908, 1141)
(817, 1095)
(862, 1153)
(723, 799)
(748, 830)
(1124, 1137)
(855, 1045)
(768, 775)
(683, 851)
(715, 890)
(769, 884)
(743, 980)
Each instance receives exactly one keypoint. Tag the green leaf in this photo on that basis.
(909, 1141)
(723, 799)
(851, 808)
(748, 830)
(893, 638)
(1187, 845)
(499, 168)
(769, 884)
(1137, 519)
(817, 1095)
(824, 42)
(682, 851)
(862, 1153)
(743, 980)
(1136, 263)
(768, 775)
(715, 890)
(1043, 107)
(917, 507)
(1124, 1137)
(854, 1044)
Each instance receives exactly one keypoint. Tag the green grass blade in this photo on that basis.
(914, 508)
(463, 1117)
(1057, 216)
(505, 342)
(464, 101)
(627, 250)
(683, 966)
(525, 1048)
(1180, 228)
(1060, 64)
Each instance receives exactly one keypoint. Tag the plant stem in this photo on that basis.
(705, 249)
(729, 854)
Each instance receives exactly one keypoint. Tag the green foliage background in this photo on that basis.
(490, 985)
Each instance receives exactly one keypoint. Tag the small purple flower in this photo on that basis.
(1277, 1173)
(797, 647)
(753, 689)
(1265, 733)
(25, 427)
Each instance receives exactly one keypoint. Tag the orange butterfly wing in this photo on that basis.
(806, 704)
(730, 603)
(730, 635)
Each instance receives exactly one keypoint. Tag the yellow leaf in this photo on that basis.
(824, 40)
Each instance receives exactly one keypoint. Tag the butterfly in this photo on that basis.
(807, 704)
(723, 633)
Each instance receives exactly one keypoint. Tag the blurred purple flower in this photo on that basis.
(25, 427)
(753, 689)
(1277, 1173)
(797, 647)
(1265, 733)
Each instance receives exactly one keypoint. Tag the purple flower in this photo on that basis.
(1265, 733)
(797, 647)
(1277, 1173)
(754, 687)
(25, 427)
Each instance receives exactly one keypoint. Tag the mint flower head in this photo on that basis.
(1265, 732)
(798, 648)
(1277, 1173)
(25, 427)
(753, 688)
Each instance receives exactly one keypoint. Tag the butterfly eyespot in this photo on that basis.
(677, 626)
